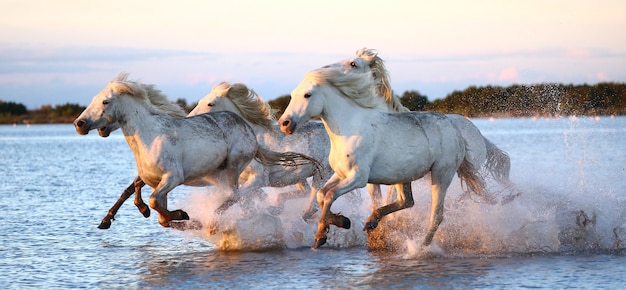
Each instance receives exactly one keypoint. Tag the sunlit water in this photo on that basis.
(566, 229)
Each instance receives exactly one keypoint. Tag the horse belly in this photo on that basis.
(200, 163)
(404, 154)
(399, 170)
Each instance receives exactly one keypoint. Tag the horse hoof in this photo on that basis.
(370, 226)
(319, 242)
(179, 214)
(105, 225)
(345, 223)
(145, 211)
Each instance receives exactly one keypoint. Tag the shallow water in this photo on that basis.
(565, 230)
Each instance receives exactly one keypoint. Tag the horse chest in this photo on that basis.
(346, 153)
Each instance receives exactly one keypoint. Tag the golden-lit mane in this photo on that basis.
(358, 87)
(381, 75)
(156, 101)
(248, 102)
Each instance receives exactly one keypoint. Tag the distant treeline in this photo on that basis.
(487, 101)
(516, 101)
(535, 100)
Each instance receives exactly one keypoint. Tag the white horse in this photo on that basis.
(156, 97)
(369, 145)
(482, 154)
(208, 149)
(311, 140)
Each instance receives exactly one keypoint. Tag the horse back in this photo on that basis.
(415, 143)
(221, 140)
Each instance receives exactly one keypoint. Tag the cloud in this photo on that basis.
(29, 59)
(508, 74)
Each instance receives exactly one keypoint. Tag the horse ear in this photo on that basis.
(367, 54)
(121, 77)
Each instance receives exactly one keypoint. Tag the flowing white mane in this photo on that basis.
(381, 75)
(250, 105)
(155, 100)
(358, 87)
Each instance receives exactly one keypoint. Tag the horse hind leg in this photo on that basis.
(404, 200)
(158, 202)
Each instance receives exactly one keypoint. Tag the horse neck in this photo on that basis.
(136, 120)
(342, 116)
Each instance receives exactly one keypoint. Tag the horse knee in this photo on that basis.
(320, 198)
(329, 197)
(153, 202)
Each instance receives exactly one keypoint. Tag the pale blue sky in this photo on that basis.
(53, 52)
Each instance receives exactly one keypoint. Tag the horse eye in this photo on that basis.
(353, 64)
(210, 104)
(105, 102)
(307, 95)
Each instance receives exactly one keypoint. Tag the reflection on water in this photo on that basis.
(566, 230)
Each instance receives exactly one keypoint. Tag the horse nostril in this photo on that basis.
(286, 123)
(80, 123)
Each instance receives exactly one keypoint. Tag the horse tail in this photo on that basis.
(498, 163)
(472, 178)
(269, 158)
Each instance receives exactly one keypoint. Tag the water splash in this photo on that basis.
(570, 202)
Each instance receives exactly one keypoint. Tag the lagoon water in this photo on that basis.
(566, 230)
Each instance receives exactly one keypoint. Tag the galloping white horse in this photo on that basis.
(369, 145)
(161, 102)
(482, 154)
(208, 149)
(311, 140)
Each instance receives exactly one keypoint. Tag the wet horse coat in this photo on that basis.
(369, 145)
(311, 140)
(208, 149)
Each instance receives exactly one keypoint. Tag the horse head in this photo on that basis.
(324, 87)
(368, 59)
(239, 99)
(156, 98)
(105, 106)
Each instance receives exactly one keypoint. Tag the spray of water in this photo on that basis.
(569, 204)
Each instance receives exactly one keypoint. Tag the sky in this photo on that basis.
(57, 52)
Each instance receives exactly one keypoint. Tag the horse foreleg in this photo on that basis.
(321, 193)
(405, 200)
(318, 183)
(106, 221)
(311, 206)
(333, 189)
(143, 208)
(375, 194)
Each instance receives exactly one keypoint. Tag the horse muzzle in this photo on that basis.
(287, 125)
(82, 126)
